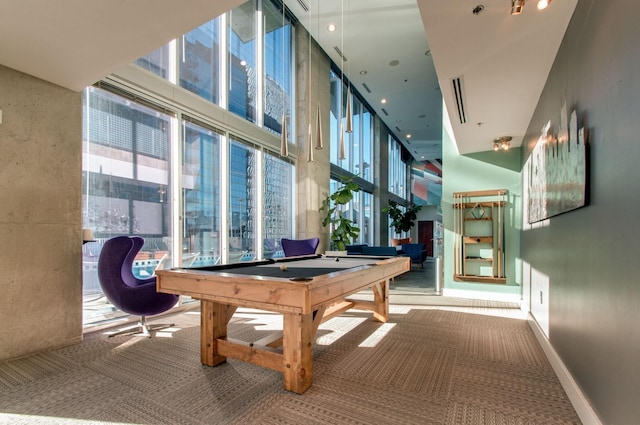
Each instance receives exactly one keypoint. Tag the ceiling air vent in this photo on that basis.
(303, 5)
(458, 91)
(366, 87)
(344, 59)
(384, 111)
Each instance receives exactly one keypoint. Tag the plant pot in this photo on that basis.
(399, 242)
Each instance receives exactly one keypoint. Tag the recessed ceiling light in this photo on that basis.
(409, 136)
(363, 72)
(331, 27)
(394, 62)
(383, 100)
(542, 4)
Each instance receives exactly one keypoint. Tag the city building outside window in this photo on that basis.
(126, 176)
(199, 61)
(278, 81)
(201, 176)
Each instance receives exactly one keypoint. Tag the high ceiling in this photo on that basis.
(405, 51)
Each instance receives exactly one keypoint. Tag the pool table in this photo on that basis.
(305, 290)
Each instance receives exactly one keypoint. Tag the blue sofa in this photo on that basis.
(364, 249)
(355, 249)
(416, 251)
(386, 251)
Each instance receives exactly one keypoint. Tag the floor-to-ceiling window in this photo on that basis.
(126, 175)
(278, 86)
(242, 202)
(242, 75)
(201, 175)
(352, 152)
(233, 196)
(199, 61)
(397, 169)
(398, 180)
(158, 62)
(277, 201)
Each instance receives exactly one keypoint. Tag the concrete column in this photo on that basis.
(312, 178)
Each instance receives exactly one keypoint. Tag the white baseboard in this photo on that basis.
(479, 295)
(580, 403)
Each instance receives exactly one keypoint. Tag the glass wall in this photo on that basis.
(358, 145)
(358, 152)
(397, 170)
(127, 183)
(243, 60)
(126, 175)
(278, 88)
(201, 174)
(158, 62)
(398, 180)
(277, 215)
(251, 74)
(242, 202)
(133, 142)
(199, 61)
(359, 211)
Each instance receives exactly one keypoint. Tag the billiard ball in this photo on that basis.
(283, 267)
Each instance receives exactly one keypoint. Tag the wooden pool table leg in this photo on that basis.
(214, 318)
(381, 301)
(297, 352)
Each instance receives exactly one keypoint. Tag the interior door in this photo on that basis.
(425, 235)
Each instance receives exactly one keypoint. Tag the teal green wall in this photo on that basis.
(483, 171)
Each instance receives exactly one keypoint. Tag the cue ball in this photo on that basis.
(283, 267)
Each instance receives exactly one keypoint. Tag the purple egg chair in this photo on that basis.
(127, 292)
(295, 247)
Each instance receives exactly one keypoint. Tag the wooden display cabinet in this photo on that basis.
(479, 236)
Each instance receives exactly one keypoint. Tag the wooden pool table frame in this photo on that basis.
(304, 306)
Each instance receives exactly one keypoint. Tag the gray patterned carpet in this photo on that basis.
(428, 365)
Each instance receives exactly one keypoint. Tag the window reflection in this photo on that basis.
(242, 71)
(125, 186)
(242, 208)
(201, 195)
(277, 71)
(199, 60)
(157, 62)
(278, 204)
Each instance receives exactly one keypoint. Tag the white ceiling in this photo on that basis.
(74, 43)
(503, 60)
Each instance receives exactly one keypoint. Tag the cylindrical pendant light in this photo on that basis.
(349, 125)
(319, 143)
(310, 146)
(284, 146)
(342, 149)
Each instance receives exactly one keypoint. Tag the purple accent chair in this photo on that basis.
(127, 292)
(296, 247)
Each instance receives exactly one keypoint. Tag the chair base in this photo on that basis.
(142, 328)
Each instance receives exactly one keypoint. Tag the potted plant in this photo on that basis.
(402, 221)
(343, 230)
